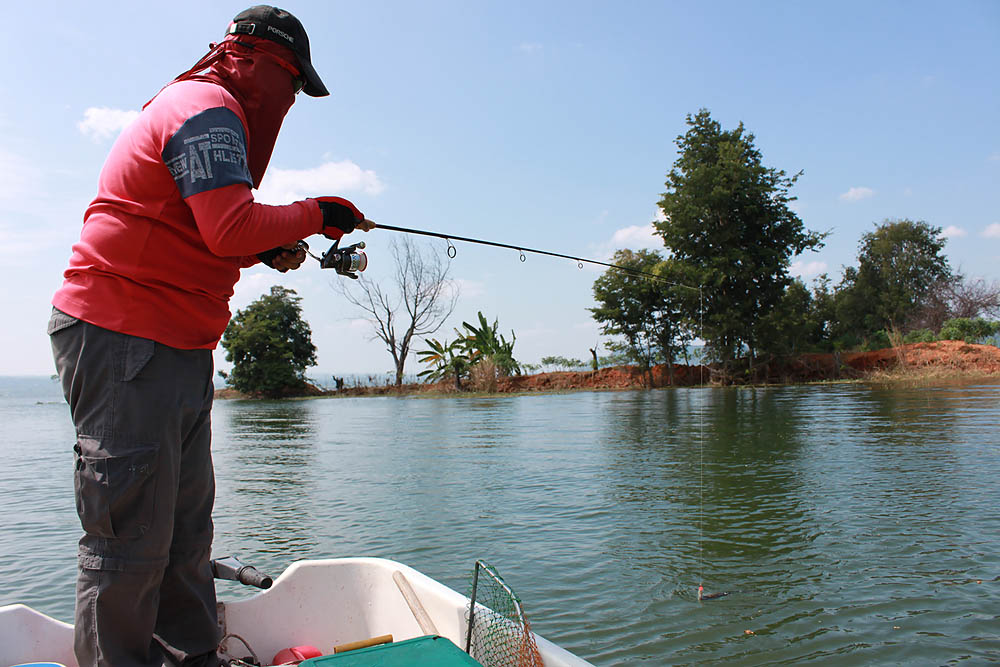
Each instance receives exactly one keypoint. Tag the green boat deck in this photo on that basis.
(429, 650)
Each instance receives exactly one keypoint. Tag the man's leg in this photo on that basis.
(135, 404)
(187, 594)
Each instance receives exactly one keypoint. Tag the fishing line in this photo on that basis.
(702, 595)
(452, 252)
(701, 456)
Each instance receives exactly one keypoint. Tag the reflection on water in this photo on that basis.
(272, 451)
(850, 525)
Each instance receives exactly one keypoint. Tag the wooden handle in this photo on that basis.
(419, 613)
(364, 643)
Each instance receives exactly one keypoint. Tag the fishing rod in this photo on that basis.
(348, 261)
(521, 249)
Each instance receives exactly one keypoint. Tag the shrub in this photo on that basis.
(920, 336)
(968, 330)
(483, 376)
(877, 341)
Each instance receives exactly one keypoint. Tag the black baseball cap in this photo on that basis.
(280, 26)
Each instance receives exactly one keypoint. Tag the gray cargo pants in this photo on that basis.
(144, 492)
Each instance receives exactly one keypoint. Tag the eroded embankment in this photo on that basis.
(942, 359)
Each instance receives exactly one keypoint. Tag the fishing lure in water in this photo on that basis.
(702, 595)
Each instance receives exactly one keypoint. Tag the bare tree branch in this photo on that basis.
(957, 297)
(420, 297)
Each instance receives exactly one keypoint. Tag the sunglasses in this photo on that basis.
(298, 82)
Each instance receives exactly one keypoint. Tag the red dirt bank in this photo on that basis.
(952, 356)
(948, 357)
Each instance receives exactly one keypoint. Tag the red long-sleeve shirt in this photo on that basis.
(174, 221)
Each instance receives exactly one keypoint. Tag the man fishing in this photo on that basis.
(143, 304)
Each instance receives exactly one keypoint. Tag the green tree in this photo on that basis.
(562, 363)
(795, 324)
(727, 222)
(270, 346)
(899, 265)
(823, 311)
(648, 314)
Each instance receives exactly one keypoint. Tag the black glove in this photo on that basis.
(267, 257)
(340, 214)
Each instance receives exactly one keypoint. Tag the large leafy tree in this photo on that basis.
(727, 222)
(270, 346)
(900, 263)
(647, 313)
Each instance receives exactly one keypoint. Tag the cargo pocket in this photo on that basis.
(115, 495)
(138, 352)
(59, 321)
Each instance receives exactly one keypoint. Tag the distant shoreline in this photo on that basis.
(910, 364)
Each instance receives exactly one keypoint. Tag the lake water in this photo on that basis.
(850, 525)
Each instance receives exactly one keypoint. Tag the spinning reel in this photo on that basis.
(347, 261)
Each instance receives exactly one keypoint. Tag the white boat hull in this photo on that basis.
(321, 603)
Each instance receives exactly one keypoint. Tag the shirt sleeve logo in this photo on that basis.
(208, 152)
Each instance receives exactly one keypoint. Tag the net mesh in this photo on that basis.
(499, 632)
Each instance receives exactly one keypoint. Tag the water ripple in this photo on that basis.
(849, 525)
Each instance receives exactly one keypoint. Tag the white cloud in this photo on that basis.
(637, 237)
(993, 231)
(100, 123)
(807, 269)
(282, 186)
(995, 157)
(469, 288)
(529, 47)
(857, 194)
(953, 232)
(633, 237)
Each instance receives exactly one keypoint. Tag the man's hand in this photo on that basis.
(286, 257)
(341, 217)
(365, 225)
(290, 257)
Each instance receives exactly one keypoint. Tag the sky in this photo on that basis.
(550, 125)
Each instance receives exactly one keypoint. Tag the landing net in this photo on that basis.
(499, 634)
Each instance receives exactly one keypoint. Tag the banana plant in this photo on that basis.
(448, 360)
(485, 342)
